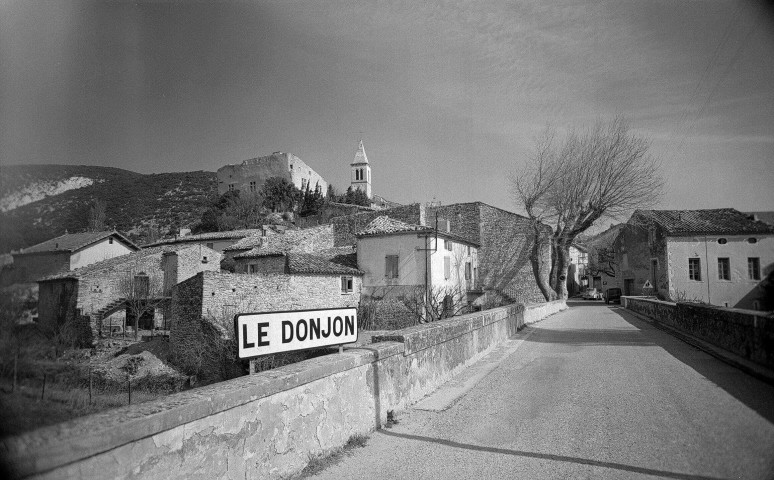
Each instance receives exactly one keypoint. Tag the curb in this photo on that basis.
(748, 367)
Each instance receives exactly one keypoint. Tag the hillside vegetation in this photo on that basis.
(44, 201)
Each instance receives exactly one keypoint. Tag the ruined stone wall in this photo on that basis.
(266, 425)
(278, 164)
(747, 333)
(345, 228)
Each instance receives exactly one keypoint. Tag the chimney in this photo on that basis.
(169, 263)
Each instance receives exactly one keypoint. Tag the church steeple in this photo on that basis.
(361, 171)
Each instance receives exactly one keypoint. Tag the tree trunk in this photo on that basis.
(561, 265)
(536, 259)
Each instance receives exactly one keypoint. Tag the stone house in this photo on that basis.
(506, 239)
(94, 296)
(406, 261)
(250, 175)
(302, 240)
(217, 241)
(204, 306)
(66, 252)
(720, 257)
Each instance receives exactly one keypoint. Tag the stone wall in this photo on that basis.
(278, 164)
(747, 333)
(204, 306)
(505, 270)
(345, 228)
(270, 424)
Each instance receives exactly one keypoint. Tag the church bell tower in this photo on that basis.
(361, 171)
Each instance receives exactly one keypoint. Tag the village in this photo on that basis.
(398, 265)
(386, 240)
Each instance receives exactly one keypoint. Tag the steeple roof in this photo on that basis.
(360, 155)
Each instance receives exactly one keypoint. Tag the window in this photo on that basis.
(303, 184)
(346, 284)
(468, 249)
(230, 187)
(694, 269)
(752, 240)
(724, 269)
(467, 270)
(110, 240)
(446, 267)
(252, 186)
(722, 241)
(754, 268)
(447, 244)
(252, 268)
(391, 266)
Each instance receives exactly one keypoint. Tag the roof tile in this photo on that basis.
(70, 242)
(726, 221)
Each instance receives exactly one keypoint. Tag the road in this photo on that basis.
(592, 392)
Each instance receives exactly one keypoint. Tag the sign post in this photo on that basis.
(260, 334)
(647, 288)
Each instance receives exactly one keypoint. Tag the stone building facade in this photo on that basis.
(92, 295)
(204, 306)
(505, 239)
(250, 175)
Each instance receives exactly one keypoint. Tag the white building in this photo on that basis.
(398, 259)
(720, 257)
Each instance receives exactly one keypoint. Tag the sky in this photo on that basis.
(448, 97)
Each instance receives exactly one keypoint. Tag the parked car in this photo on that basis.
(613, 295)
(592, 294)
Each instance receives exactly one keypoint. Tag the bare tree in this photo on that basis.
(602, 260)
(569, 184)
(436, 304)
(142, 292)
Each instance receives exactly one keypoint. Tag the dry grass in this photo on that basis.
(320, 463)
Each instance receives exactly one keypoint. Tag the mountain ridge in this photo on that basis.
(44, 201)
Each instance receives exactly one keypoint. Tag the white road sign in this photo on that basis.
(647, 284)
(274, 332)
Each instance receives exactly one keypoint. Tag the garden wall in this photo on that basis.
(747, 333)
(270, 424)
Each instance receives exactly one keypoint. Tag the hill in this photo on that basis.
(38, 202)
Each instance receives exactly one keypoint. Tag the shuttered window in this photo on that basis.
(391, 266)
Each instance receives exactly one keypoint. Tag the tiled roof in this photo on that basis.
(199, 237)
(335, 261)
(116, 263)
(384, 225)
(70, 242)
(290, 240)
(341, 261)
(725, 221)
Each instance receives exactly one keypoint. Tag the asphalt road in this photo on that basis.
(591, 392)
